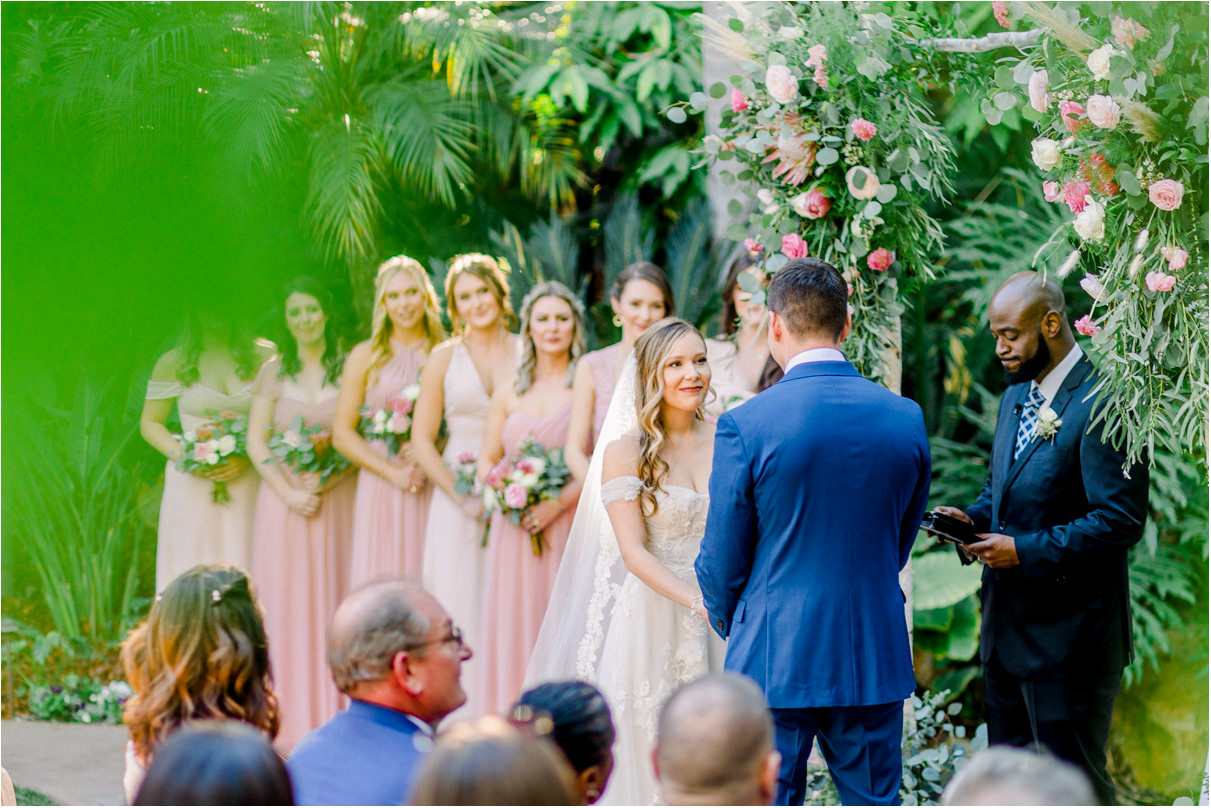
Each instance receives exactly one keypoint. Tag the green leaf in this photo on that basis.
(940, 580)
(735, 24)
(625, 24)
(827, 156)
(717, 90)
(1004, 77)
(647, 82)
(1127, 181)
(628, 111)
(734, 207)
(872, 209)
(699, 101)
(1023, 71)
(676, 114)
(577, 88)
(1005, 101)
(886, 193)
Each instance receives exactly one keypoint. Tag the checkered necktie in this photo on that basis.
(1029, 421)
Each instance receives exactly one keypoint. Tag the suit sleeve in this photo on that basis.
(911, 523)
(980, 511)
(726, 555)
(1118, 507)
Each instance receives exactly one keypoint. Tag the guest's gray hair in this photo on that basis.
(373, 624)
(1005, 775)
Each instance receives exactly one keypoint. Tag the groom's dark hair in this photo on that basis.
(811, 297)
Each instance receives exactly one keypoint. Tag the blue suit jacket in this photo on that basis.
(817, 492)
(366, 755)
(1073, 516)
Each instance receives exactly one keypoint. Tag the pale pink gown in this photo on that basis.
(389, 522)
(194, 529)
(604, 367)
(517, 583)
(300, 568)
(454, 554)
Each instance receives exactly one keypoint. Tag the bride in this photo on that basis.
(642, 631)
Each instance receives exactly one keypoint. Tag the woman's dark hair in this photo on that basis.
(216, 763)
(645, 271)
(727, 318)
(237, 334)
(334, 332)
(582, 727)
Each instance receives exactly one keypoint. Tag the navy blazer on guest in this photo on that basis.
(1073, 516)
(817, 492)
(366, 755)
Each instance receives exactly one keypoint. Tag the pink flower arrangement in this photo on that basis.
(1051, 190)
(880, 260)
(739, 102)
(793, 246)
(1166, 194)
(1086, 326)
(812, 205)
(795, 156)
(753, 246)
(1159, 281)
(863, 129)
(1070, 112)
(1036, 88)
(1127, 31)
(1074, 195)
(817, 55)
(1000, 10)
(533, 476)
(1176, 257)
(466, 457)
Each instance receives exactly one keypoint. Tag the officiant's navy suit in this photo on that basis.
(816, 495)
(1056, 630)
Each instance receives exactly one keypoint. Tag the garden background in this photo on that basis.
(163, 157)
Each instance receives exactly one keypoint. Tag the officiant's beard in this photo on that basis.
(1032, 367)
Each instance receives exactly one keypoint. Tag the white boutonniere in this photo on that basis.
(1049, 424)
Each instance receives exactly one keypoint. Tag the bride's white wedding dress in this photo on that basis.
(653, 645)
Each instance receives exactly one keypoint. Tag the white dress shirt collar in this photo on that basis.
(1050, 384)
(814, 355)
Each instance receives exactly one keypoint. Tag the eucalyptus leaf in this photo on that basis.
(872, 209)
(827, 156)
(676, 114)
(886, 193)
(1023, 71)
(1005, 101)
(717, 90)
(699, 101)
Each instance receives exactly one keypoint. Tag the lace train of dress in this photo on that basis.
(653, 645)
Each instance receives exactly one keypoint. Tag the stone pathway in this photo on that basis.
(74, 764)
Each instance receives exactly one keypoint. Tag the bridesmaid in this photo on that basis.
(302, 531)
(641, 295)
(537, 406)
(392, 492)
(210, 372)
(458, 383)
(738, 356)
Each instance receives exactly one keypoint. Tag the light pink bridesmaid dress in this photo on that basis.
(300, 568)
(604, 367)
(517, 583)
(389, 522)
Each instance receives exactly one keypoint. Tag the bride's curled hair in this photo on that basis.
(651, 349)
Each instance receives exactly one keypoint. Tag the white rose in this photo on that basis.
(190, 436)
(781, 84)
(411, 392)
(1036, 88)
(1046, 153)
(1090, 223)
(529, 481)
(1099, 62)
(210, 447)
(226, 444)
(766, 198)
(1102, 111)
(537, 465)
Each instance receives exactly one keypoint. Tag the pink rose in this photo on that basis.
(1103, 111)
(200, 452)
(515, 496)
(1176, 257)
(1085, 326)
(1070, 112)
(466, 457)
(1159, 281)
(794, 247)
(739, 102)
(400, 404)
(753, 246)
(399, 423)
(1074, 195)
(496, 476)
(817, 55)
(812, 205)
(880, 259)
(781, 84)
(863, 129)
(1166, 194)
(1000, 10)
(1051, 190)
(1127, 32)
(1036, 88)
(525, 466)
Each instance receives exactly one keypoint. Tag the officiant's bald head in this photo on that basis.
(1027, 317)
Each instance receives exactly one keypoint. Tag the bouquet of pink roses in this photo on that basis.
(307, 448)
(515, 484)
(392, 424)
(212, 443)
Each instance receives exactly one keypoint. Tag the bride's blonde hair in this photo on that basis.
(651, 349)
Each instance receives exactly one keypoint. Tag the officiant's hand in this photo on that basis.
(954, 513)
(996, 550)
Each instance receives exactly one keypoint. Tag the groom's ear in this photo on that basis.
(776, 327)
(849, 321)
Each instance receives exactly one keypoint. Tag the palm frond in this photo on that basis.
(626, 238)
(250, 116)
(343, 203)
(692, 265)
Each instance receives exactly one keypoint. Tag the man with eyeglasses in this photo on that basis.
(395, 653)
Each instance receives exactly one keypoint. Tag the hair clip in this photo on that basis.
(215, 596)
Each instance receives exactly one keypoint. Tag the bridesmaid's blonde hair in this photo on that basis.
(381, 325)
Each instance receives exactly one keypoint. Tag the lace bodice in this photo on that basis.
(675, 530)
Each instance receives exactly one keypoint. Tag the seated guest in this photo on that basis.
(491, 762)
(216, 763)
(1006, 775)
(201, 654)
(581, 727)
(395, 652)
(715, 744)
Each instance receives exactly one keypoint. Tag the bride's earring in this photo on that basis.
(617, 320)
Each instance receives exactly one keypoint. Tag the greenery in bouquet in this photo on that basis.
(392, 423)
(515, 484)
(1118, 95)
(213, 443)
(307, 449)
(827, 130)
(466, 484)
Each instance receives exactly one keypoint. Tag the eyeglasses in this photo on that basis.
(455, 636)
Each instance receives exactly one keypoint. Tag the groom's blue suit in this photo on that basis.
(817, 492)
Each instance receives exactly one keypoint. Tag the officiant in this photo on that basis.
(1056, 519)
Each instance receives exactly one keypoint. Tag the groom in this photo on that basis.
(817, 492)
